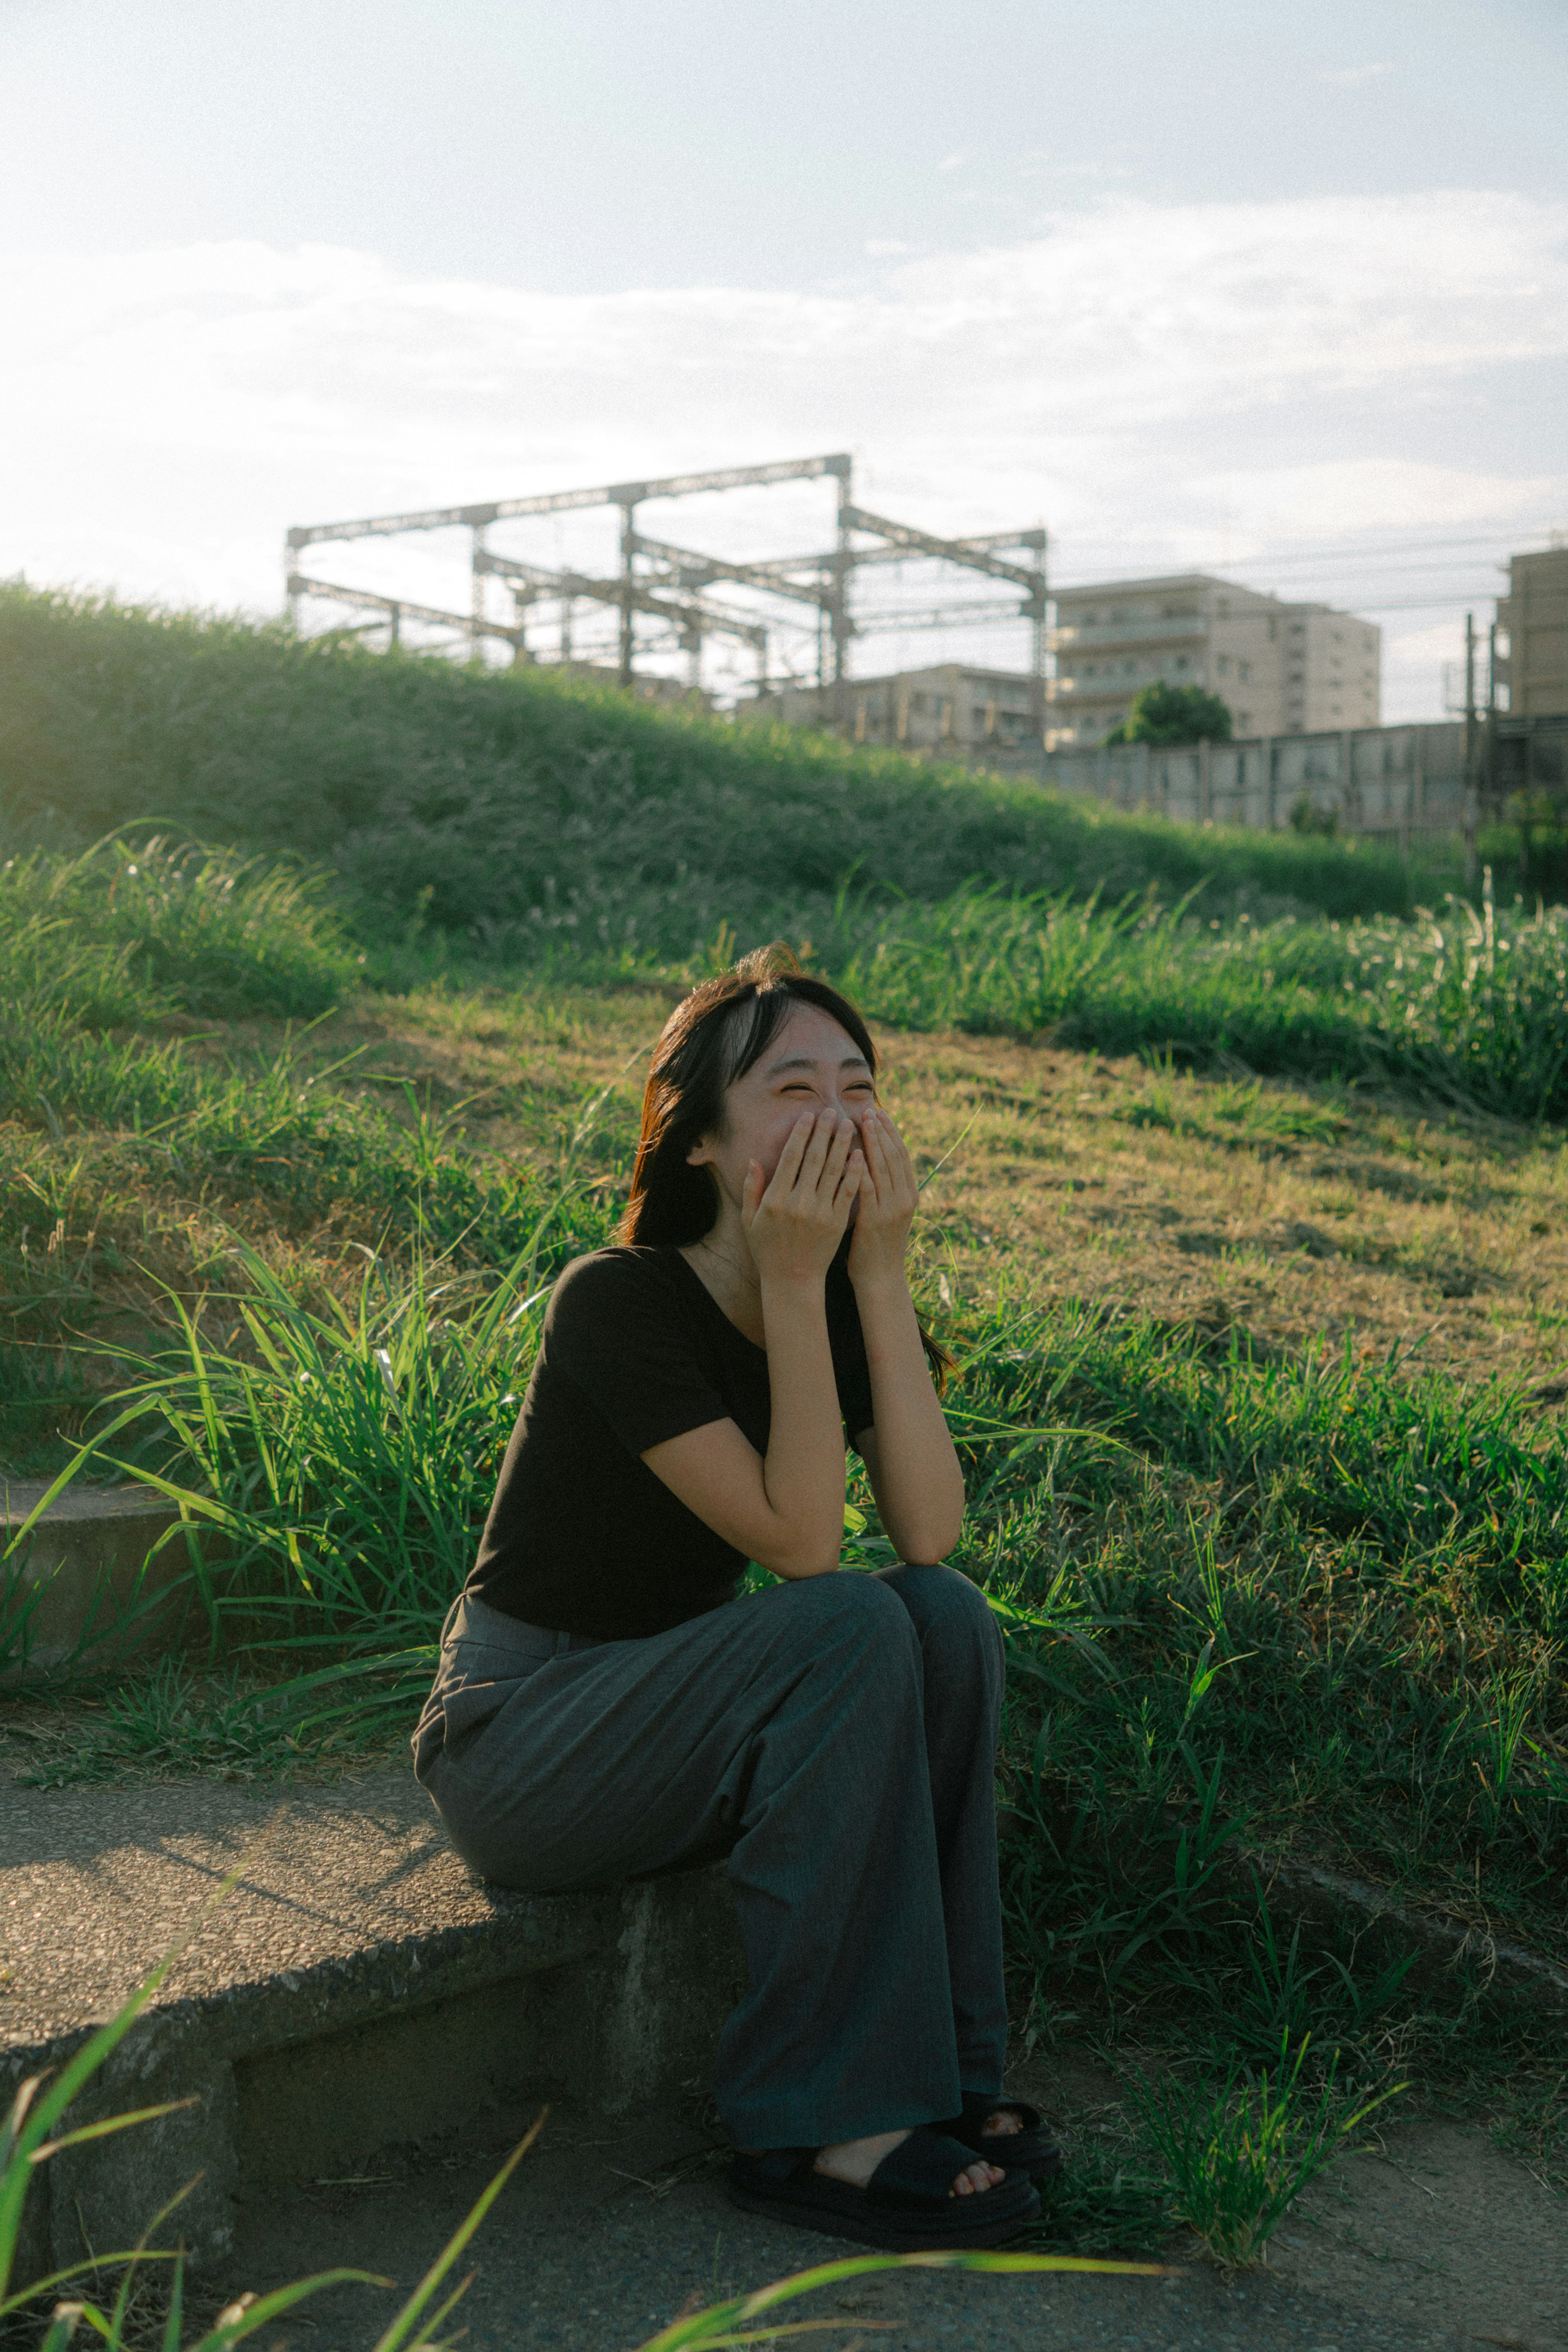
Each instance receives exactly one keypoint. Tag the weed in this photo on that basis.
(1533, 2126)
(169, 1723)
(44, 1396)
(1239, 2152)
(1258, 1995)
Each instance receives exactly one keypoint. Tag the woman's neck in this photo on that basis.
(723, 1264)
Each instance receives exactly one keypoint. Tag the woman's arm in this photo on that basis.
(786, 1512)
(908, 1453)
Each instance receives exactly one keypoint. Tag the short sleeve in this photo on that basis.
(615, 1333)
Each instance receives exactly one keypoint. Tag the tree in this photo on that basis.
(1173, 714)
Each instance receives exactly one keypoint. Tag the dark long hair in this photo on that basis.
(713, 1038)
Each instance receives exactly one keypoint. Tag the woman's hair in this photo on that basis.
(713, 1038)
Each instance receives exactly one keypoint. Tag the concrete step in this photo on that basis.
(357, 1989)
(101, 1578)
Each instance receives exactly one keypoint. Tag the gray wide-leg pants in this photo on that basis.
(835, 1736)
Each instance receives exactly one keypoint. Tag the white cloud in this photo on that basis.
(1354, 76)
(887, 248)
(1124, 375)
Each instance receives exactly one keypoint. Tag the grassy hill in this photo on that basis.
(1261, 1391)
(508, 806)
(1257, 1409)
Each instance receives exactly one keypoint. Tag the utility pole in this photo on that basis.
(477, 589)
(1469, 807)
(627, 497)
(522, 597)
(839, 610)
(291, 546)
(1040, 637)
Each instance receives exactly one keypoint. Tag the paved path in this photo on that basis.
(98, 1882)
(1447, 2247)
(610, 2227)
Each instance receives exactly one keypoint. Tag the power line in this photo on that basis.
(1273, 559)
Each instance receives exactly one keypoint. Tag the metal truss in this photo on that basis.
(395, 610)
(660, 581)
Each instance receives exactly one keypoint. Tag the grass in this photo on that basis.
(1239, 2153)
(1250, 1241)
(1471, 1007)
(1316, 1599)
(172, 1723)
(514, 810)
(133, 928)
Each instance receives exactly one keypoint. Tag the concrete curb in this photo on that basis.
(99, 1580)
(1442, 1946)
(302, 2071)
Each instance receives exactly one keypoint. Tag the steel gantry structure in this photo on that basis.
(659, 580)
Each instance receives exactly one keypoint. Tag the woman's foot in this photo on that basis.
(855, 2160)
(1001, 2123)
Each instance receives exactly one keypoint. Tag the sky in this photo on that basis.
(1236, 287)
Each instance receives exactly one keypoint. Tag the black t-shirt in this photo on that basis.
(581, 1535)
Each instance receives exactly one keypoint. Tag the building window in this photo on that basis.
(1222, 666)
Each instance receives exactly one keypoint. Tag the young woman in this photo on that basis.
(605, 1708)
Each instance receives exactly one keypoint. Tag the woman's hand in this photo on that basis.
(889, 1197)
(795, 1223)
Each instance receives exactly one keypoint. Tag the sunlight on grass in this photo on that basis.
(1239, 2152)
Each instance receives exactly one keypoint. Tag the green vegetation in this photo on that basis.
(1321, 1600)
(1239, 2153)
(118, 940)
(1173, 714)
(289, 1160)
(122, 934)
(1474, 1007)
(514, 810)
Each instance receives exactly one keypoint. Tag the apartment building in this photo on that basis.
(950, 711)
(1282, 669)
(1531, 665)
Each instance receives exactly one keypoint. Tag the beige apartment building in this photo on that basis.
(950, 711)
(1531, 665)
(1282, 669)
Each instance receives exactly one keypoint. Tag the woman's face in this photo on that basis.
(811, 1066)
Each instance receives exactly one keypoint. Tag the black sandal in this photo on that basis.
(1033, 2150)
(908, 2206)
